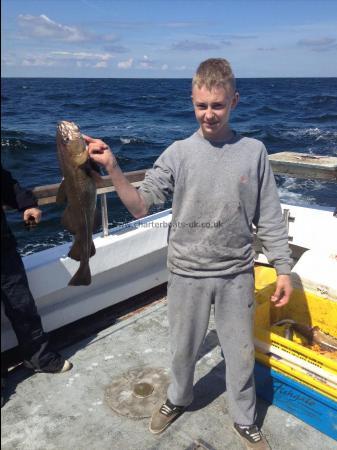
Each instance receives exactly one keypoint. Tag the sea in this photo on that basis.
(139, 118)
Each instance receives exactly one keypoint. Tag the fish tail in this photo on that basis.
(76, 250)
(304, 330)
(82, 277)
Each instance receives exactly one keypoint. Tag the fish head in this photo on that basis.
(71, 144)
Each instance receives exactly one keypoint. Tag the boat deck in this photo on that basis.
(69, 411)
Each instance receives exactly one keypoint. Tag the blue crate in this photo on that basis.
(308, 405)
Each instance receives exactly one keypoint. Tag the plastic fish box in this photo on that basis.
(298, 373)
(308, 405)
(307, 309)
(265, 277)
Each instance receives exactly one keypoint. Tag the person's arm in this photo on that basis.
(156, 188)
(129, 195)
(283, 291)
(17, 197)
(272, 232)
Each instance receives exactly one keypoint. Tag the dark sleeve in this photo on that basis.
(13, 195)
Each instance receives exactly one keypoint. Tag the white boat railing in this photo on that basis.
(298, 165)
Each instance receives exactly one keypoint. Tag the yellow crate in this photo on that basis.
(265, 282)
(307, 309)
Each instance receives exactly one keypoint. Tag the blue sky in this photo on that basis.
(168, 38)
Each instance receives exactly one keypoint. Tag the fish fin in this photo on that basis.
(67, 221)
(76, 250)
(86, 167)
(97, 223)
(92, 169)
(93, 249)
(82, 277)
(95, 166)
(61, 196)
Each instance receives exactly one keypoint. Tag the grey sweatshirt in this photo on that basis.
(219, 191)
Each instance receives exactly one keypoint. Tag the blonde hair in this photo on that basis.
(214, 72)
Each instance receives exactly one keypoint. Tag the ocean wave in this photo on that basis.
(326, 99)
(48, 242)
(12, 133)
(98, 105)
(268, 110)
(185, 114)
(132, 140)
(321, 119)
(294, 198)
(316, 133)
(303, 192)
(33, 144)
(12, 145)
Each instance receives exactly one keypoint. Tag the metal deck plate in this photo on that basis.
(136, 392)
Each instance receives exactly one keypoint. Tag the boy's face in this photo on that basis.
(212, 110)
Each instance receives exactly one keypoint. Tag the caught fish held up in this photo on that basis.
(78, 191)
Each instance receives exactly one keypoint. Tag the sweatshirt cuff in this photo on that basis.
(26, 200)
(147, 196)
(283, 269)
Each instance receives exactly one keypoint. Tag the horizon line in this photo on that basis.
(154, 78)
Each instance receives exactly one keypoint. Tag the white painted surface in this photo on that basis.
(313, 227)
(316, 271)
(131, 260)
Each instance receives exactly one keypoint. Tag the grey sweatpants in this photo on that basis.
(189, 306)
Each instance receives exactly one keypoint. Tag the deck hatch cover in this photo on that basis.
(136, 392)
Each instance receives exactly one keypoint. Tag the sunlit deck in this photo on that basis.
(69, 411)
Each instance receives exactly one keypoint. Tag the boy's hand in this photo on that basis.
(32, 217)
(283, 291)
(100, 152)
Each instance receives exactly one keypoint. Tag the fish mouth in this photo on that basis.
(68, 131)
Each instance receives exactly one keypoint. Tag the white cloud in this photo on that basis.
(319, 44)
(125, 64)
(38, 60)
(164, 67)
(183, 67)
(189, 45)
(83, 55)
(146, 63)
(43, 27)
(101, 65)
(80, 59)
(8, 61)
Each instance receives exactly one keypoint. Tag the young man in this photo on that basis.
(18, 301)
(221, 184)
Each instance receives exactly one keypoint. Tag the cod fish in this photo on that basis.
(78, 190)
(314, 335)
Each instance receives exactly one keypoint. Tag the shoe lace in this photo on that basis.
(168, 410)
(253, 432)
